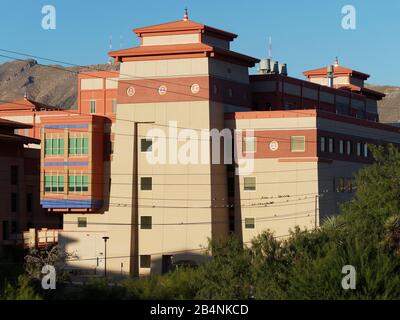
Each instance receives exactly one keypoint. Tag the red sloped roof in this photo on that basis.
(18, 138)
(14, 124)
(181, 49)
(338, 70)
(364, 91)
(24, 104)
(182, 25)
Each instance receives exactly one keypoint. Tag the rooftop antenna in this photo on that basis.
(111, 47)
(121, 41)
(186, 15)
(270, 47)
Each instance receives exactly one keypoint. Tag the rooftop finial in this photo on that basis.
(186, 15)
(336, 62)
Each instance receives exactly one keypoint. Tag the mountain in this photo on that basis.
(389, 107)
(53, 85)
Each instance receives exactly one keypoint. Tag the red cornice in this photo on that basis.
(182, 27)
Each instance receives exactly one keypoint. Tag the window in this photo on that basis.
(78, 183)
(146, 145)
(340, 185)
(298, 144)
(323, 144)
(365, 150)
(114, 105)
(29, 202)
(92, 106)
(146, 223)
(14, 202)
(341, 146)
(54, 146)
(349, 185)
(6, 230)
(358, 149)
(146, 184)
(26, 132)
(249, 223)
(145, 261)
(14, 227)
(78, 146)
(14, 175)
(331, 146)
(250, 184)
(82, 222)
(249, 145)
(54, 183)
(349, 147)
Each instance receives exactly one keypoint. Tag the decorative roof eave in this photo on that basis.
(338, 71)
(363, 91)
(177, 51)
(181, 27)
(18, 138)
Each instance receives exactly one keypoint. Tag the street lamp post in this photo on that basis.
(105, 255)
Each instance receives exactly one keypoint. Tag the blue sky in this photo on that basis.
(306, 33)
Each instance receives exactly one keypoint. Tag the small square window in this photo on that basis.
(114, 105)
(349, 148)
(341, 146)
(358, 149)
(250, 184)
(82, 222)
(249, 144)
(145, 261)
(298, 144)
(250, 223)
(366, 150)
(146, 184)
(92, 106)
(146, 223)
(146, 145)
(331, 146)
(323, 144)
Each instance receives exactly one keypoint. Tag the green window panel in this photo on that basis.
(61, 184)
(72, 146)
(71, 183)
(85, 183)
(47, 183)
(48, 147)
(85, 146)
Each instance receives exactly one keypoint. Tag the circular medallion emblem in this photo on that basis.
(162, 90)
(274, 146)
(130, 91)
(195, 88)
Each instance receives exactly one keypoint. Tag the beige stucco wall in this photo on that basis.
(164, 68)
(171, 39)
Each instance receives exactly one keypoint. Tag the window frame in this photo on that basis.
(292, 141)
(93, 106)
(144, 225)
(145, 264)
(143, 184)
(146, 140)
(244, 145)
(81, 222)
(255, 184)
(249, 223)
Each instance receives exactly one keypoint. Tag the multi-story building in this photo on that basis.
(104, 167)
(20, 191)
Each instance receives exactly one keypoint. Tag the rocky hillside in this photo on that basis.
(54, 85)
(389, 107)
